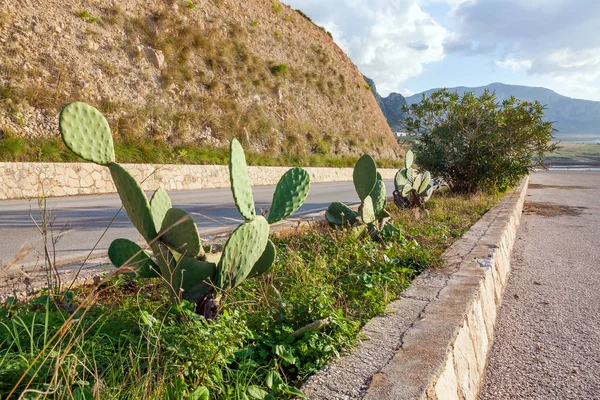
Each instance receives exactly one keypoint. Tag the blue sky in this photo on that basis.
(408, 46)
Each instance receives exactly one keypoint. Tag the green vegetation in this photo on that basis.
(278, 69)
(277, 8)
(171, 233)
(372, 216)
(123, 339)
(412, 189)
(87, 17)
(575, 154)
(145, 150)
(473, 143)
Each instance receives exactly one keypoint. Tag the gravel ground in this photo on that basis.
(547, 339)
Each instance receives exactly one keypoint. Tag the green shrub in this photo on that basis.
(475, 143)
(278, 69)
(277, 7)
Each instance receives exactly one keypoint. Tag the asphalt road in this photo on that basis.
(547, 339)
(87, 217)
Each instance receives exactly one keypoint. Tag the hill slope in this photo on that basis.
(571, 116)
(198, 71)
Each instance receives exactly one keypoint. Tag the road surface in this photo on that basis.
(547, 339)
(86, 217)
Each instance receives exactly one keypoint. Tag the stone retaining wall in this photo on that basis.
(27, 180)
(435, 341)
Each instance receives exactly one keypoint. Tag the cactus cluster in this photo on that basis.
(412, 189)
(371, 215)
(177, 253)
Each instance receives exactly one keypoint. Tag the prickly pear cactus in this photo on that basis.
(265, 261)
(412, 189)
(379, 197)
(86, 132)
(409, 159)
(367, 211)
(125, 252)
(340, 214)
(160, 203)
(134, 201)
(243, 249)
(364, 176)
(289, 195)
(190, 276)
(240, 181)
(180, 233)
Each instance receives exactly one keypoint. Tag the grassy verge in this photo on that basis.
(16, 148)
(121, 340)
(575, 153)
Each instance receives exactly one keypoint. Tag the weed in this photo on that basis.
(278, 69)
(277, 8)
(190, 5)
(84, 15)
(254, 23)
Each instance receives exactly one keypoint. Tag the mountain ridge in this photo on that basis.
(571, 116)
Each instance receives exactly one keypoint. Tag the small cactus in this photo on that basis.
(412, 189)
(371, 191)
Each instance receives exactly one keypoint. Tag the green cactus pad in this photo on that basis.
(134, 200)
(417, 182)
(400, 179)
(379, 178)
(406, 190)
(240, 181)
(409, 159)
(389, 230)
(367, 211)
(338, 213)
(124, 251)
(160, 203)
(243, 249)
(379, 197)
(86, 132)
(424, 182)
(410, 175)
(265, 261)
(364, 176)
(428, 193)
(191, 276)
(289, 195)
(383, 214)
(180, 233)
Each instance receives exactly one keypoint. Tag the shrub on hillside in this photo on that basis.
(475, 143)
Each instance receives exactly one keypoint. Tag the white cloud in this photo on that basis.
(389, 40)
(556, 40)
(513, 64)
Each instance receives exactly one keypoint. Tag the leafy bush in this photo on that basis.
(475, 143)
(278, 69)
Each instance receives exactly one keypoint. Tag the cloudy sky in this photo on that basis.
(408, 46)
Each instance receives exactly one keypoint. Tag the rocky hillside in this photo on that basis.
(187, 71)
(391, 106)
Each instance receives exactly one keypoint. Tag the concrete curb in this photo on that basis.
(434, 342)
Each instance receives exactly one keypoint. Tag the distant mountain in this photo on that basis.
(391, 106)
(571, 116)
